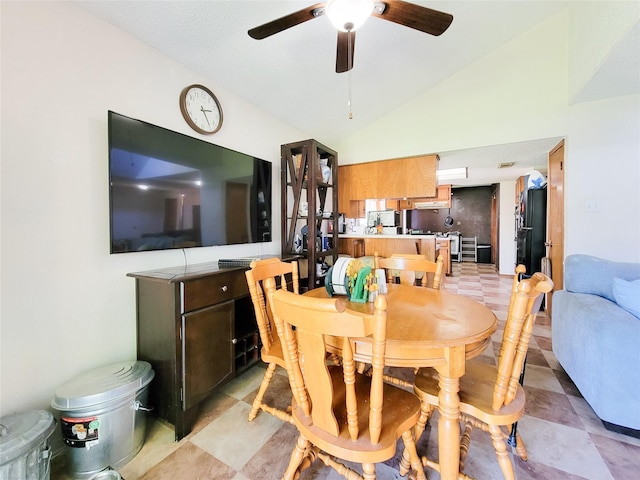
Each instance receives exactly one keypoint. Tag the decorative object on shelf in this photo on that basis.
(297, 244)
(201, 109)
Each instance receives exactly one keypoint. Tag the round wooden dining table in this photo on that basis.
(430, 328)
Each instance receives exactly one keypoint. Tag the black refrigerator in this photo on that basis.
(532, 229)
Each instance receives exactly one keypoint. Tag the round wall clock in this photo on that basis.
(201, 109)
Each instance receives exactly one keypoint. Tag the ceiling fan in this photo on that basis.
(348, 15)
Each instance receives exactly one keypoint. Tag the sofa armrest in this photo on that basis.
(588, 274)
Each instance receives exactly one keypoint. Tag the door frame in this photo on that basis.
(555, 218)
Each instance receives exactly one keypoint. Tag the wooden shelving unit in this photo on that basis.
(309, 174)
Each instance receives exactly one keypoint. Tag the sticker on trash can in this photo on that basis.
(80, 432)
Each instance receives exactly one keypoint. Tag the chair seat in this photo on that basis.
(476, 393)
(403, 416)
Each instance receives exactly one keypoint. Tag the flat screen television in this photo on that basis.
(169, 190)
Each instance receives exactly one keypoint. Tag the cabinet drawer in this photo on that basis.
(214, 289)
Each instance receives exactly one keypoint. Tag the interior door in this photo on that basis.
(555, 216)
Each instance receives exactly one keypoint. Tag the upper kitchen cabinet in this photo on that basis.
(441, 200)
(407, 177)
(354, 187)
(398, 178)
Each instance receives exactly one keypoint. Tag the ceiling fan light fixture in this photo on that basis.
(348, 15)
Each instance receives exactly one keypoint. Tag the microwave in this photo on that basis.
(387, 218)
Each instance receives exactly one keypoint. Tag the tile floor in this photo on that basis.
(564, 438)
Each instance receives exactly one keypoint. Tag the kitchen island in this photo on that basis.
(359, 245)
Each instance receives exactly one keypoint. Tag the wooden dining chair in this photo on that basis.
(341, 416)
(491, 397)
(405, 266)
(271, 352)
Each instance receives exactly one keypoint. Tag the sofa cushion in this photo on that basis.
(627, 295)
(588, 274)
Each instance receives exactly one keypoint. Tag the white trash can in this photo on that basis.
(103, 416)
(25, 453)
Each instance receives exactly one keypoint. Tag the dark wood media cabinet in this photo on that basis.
(197, 328)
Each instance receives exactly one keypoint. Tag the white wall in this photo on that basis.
(516, 93)
(596, 29)
(603, 166)
(67, 305)
(507, 233)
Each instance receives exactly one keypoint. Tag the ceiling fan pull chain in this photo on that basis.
(350, 60)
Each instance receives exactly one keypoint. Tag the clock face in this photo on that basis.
(201, 109)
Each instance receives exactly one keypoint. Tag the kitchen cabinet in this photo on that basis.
(442, 197)
(443, 247)
(197, 329)
(355, 186)
(398, 178)
(356, 209)
(309, 179)
(353, 247)
(406, 177)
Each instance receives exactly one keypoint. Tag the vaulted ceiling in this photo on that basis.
(292, 74)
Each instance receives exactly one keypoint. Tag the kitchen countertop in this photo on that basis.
(384, 235)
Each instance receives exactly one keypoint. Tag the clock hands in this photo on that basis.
(204, 112)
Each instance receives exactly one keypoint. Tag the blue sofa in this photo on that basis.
(597, 341)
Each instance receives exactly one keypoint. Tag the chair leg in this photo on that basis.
(521, 450)
(500, 447)
(369, 471)
(257, 402)
(297, 456)
(426, 410)
(414, 459)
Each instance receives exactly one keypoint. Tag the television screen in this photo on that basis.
(169, 190)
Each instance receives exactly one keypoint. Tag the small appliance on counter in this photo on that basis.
(342, 223)
(386, 218)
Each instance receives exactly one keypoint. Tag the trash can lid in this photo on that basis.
(103, 384)
(22, 432)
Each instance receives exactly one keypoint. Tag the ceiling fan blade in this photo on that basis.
(345, 51)
(414, 16)
(288, 21)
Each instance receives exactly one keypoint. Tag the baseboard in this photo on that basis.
(620, 429)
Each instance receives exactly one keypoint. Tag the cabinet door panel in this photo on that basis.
(207, 353)
(391, 179)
